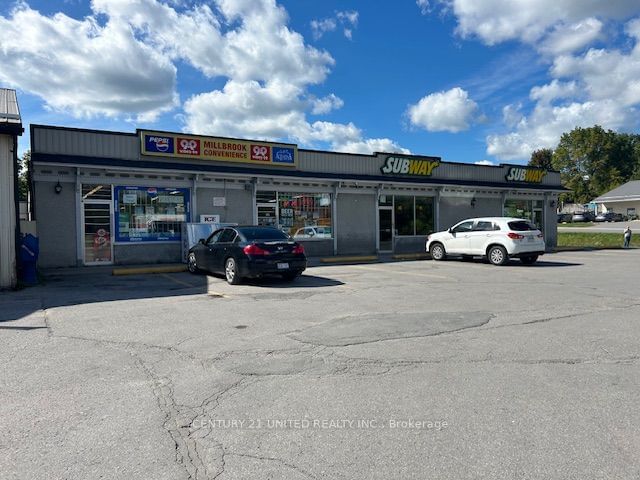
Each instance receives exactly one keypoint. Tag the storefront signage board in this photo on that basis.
(524, 175)
(422, 167)
(162, 144)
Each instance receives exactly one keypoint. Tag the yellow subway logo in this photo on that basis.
(528, 175)
(408, 166)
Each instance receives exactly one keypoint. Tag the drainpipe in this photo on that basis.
(16, 196)
(377, 232)
(79, 201)
(334, 214)
(437, 210)
(194, 197)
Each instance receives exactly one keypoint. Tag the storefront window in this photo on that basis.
(413, 215)
(529, 209)
(424, 215)
(147, 214)
(304, 216)
(404, 218)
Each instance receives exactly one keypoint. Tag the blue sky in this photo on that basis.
(467, 80)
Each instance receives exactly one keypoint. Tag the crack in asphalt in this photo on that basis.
(273, 459)
(192, 445)
(564, 317)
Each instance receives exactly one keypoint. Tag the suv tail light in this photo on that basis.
(540, 235)
(515, 236)
(253, 249)
(298, 250)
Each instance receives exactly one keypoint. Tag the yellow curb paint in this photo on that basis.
(411, 256)
(369, 258)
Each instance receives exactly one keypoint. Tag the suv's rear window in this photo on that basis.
(262, 234)
(522, 226)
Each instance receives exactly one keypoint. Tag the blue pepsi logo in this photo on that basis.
(155, 143)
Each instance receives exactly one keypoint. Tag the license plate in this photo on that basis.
(282, 266)
(532, 239)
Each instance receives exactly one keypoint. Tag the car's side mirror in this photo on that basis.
(201, 241)
(450, 230)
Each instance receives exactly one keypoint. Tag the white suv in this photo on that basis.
(497, 238)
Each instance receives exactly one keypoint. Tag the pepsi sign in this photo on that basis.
(283, 155)
(158, 144)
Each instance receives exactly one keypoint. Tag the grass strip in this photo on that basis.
(595, 239)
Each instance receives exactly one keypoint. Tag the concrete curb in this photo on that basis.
(148, 269)
(411, 256)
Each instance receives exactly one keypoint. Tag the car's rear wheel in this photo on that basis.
(529, 259)
(437, 251)
(192, 265)
(290, 276)
(497, 255)
(231, 271)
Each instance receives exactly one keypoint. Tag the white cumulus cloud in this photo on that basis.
(599, 86)
(495, 21)
(124, 60)
(326, 104)
(569, 38)
(542, 129)
(85, 68)
(446, 111)
(347, 20)
(587, 85)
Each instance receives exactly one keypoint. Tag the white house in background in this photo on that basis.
(10, 129)
(625, 199)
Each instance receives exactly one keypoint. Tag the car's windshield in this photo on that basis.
(257, 233)
(522, 226)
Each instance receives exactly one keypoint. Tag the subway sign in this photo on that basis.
(409, 166)
(218, 149)
(524, 175)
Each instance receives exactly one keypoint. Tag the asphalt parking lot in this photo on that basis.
(407, 370)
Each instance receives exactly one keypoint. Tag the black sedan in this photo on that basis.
(610, 217)
(252, 251)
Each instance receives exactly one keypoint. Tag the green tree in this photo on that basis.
(542, 158)
(23, 170)
(593, 161)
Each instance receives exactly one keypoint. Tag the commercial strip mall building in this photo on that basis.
(110, 197)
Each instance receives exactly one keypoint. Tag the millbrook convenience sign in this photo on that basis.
(218, 149)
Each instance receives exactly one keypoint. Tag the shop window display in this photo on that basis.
(304, 216)
(145, 214)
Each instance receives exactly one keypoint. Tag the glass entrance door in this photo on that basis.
(96, 225)
(537, 217)
(385, 229)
